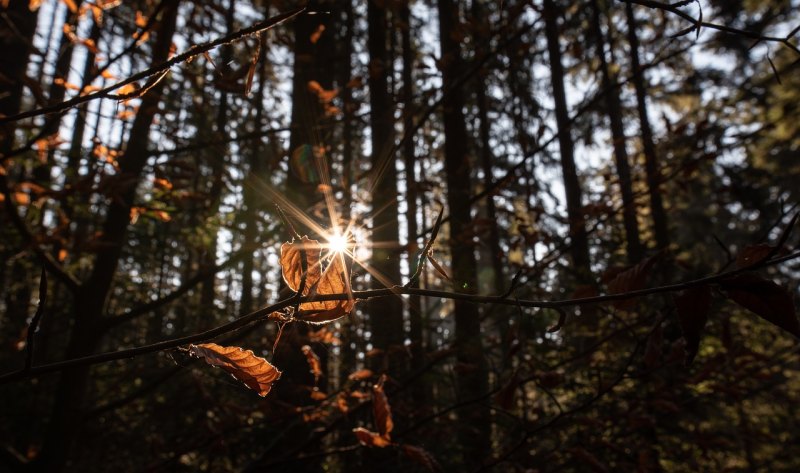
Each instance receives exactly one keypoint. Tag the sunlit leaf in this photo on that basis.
(382, 410)
(764, 298)
(317, 34)
(255, 372)
(313, 362)
(333, 280)
(360, 375)
(370, 439)
(439, 268)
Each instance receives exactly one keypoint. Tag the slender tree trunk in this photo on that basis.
(386, 315)
(579, 248)
(18, 24)
(253, 188)
(475, 425)
(86, 333)
(633, 244)
(420, 392)
(651, 161)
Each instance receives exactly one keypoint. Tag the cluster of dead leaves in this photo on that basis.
(302, 267)
(382, 413)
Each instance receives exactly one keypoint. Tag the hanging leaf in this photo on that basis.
(317, 34)
(370, 439)
(692, 306)
(333, 280)
(505, 397)
(422, 457)
(753, 255)
(764, 298)
(255, 372)
(439, 268)
(632, 279)
(360, 374)
(382, 410)
(313, 362)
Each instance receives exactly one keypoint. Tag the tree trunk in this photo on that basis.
(386, 315)
(579, 248)
(651, 161)
(85, 336)
(633, 244)
(18, 24)
(471, 381)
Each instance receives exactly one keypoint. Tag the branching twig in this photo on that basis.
(698, 23)
(263, 314)
(159, 68)
(423, 257)
(35, 321)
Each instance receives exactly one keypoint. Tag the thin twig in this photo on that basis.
(159, 68)
(263, 314)
(36, 318)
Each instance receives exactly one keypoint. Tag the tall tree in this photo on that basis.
(579, 241)
(472, 380)
(651, 161)
(633, 244)
(387, 315)
(91, 296)
(16, 41)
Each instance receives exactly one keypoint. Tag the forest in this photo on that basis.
(399, 236)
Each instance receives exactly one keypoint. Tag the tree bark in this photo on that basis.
(579, 248)
(88, 311)
(387, 315)
(651, 160)
(471, 380)
(18, 24)
(633, 244)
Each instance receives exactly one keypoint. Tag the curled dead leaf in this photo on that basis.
(255, 372)
(382, 410)
(360, 374)
(370, 439)
(332, 280)
(313, 362)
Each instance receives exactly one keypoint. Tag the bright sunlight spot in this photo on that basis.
(338, 243)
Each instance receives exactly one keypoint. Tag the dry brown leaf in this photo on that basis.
(505, 397)
(255, 372)
(438, 267)
(341, 403)
(382, 410)
(632, 279)
(370, 439)
(317, 34)
(313, 362)
(360, 374)
(692, 306)
(764, 298)
(422, 457)
(332, 280)
(753, 254)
